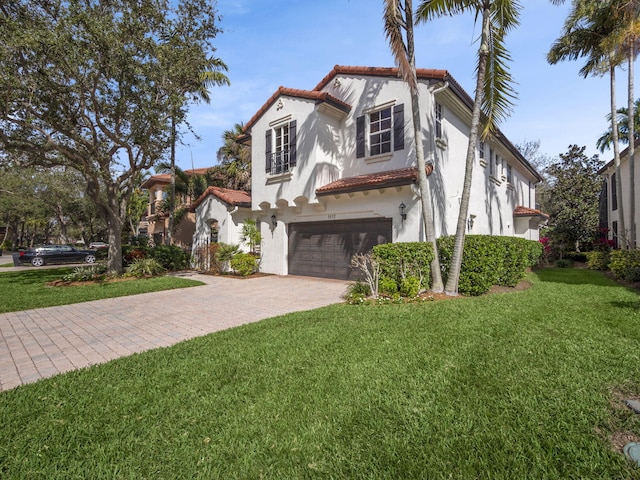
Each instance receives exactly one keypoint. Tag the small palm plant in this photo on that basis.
(251, 234)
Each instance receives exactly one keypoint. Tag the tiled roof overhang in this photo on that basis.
(372, 181)
(236, 198)
(521, 211)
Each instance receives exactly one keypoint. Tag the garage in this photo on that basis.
(324, 249)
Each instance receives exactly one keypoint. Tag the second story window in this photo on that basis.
(380, 131)
(280, 148)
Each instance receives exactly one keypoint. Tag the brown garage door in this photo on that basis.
(324, 249)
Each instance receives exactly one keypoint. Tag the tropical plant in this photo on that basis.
(234, 170)
(594, 30)
(399, 17)
(145, 267)
(622, 118)
(250, 234)
(493, 92)
(244, 264)
(224, 254)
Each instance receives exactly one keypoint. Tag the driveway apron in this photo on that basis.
(40, 343)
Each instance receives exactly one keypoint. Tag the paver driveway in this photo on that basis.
(44, 342)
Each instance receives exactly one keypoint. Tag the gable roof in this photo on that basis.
(372, 181)
(236, 198)
(165, 178)
(318, 97)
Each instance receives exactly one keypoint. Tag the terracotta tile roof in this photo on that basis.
(237, 198)
(318, 97)
(390, 178)
(424, 73)
(166, 177)
(521, 211)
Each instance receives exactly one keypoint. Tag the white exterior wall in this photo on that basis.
(326, 147)
(230, 221)
(624, 196)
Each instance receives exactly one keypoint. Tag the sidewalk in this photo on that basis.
(40, 343)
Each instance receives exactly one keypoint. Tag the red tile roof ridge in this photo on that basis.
(430, 73)
(238, 198)
(296, 93)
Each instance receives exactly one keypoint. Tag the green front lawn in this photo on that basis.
(28, 289)
(523, 385)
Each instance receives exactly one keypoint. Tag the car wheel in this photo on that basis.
(90, 259)
(37, 261)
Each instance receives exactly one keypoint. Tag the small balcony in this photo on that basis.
(277, 162)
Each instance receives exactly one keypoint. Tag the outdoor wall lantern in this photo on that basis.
(274, 221)
(403, 214)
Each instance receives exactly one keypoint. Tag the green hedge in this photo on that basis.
(490, 260)
(597, 260)
(625, 264)
(399, 261)
(170, 257)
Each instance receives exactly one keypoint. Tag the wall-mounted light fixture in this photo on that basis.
(274, 221)
(470, 221)
(403, 213)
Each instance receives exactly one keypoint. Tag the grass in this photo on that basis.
(28, 289)
(522, 385)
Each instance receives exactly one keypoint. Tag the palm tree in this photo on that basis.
(235, 160)
(198, 88)
(404, 52)
(587, 33)
(622, 118)
(493, 92)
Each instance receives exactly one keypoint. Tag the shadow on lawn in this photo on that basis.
(583, 276)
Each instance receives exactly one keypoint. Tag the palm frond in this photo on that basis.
(394, 23)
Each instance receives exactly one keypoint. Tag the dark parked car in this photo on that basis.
(56, 254)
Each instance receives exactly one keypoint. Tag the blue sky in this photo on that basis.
(295, 43)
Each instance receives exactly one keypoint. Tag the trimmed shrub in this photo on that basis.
(410, 287)
(171, 257)
(624, 262)
(244, 264)
(490, 260)
(564, 263)
(387, 286)
(577, 256)
(597, 260)
(404, 259)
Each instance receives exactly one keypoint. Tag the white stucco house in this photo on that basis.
(611, 197)
(334, 171)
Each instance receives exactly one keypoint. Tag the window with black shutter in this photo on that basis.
(380, 131)
(280, 148)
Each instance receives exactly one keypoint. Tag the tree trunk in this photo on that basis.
(172, 192)
(114, 225)
(632, 141)
(423, 181)
(622, 231)
(451, 288)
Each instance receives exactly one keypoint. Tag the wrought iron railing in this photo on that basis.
(278, 162)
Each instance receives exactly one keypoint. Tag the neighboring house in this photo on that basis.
(611, 197)
(156, 222)
(221, 212)
(334, 170)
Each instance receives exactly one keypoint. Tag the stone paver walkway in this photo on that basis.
(44, 342)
